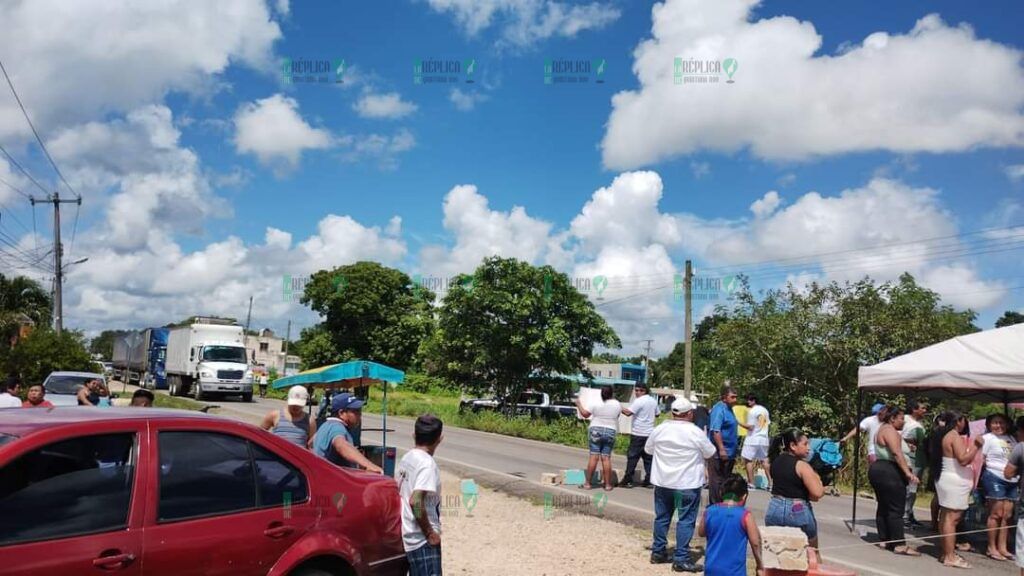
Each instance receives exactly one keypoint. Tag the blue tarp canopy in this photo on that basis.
(344, 375)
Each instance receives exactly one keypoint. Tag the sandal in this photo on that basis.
(964, 547)
(996, 556)
(587, 487)
(609, 488)
(906, 551)
(958, 562)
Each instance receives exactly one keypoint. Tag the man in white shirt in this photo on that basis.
(755, 448)
(679, 449)
(643, 409)
(871, 424)
(419, 485)
(9, 397)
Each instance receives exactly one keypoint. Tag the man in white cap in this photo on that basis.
(679, 449)
(293, 424)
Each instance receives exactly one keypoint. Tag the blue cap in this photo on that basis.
(345, 401)
(877, 408)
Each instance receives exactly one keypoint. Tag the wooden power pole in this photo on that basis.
(58, 250)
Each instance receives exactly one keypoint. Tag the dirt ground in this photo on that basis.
(500, 535)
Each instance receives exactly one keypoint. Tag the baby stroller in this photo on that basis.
(826, 458)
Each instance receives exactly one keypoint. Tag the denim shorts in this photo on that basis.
(794, 513)
(997, 488)
(602, 440)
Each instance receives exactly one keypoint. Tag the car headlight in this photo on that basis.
(206, 374)
(248, 374)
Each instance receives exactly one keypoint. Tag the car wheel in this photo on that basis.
(247, 397)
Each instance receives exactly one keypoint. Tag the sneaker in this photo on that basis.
(751, 487)
(625, 484)
(660, 558)
(686, 567)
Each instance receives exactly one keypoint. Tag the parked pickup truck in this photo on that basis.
(535, 404)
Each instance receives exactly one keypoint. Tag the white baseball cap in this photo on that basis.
(298, 396)
(681, 406)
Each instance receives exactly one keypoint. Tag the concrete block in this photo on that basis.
(574, 477)
(550, 479)
(596, 479)
(784, 548)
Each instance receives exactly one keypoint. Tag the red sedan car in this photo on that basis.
(146, 491)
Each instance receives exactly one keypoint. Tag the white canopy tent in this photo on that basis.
(986, 366)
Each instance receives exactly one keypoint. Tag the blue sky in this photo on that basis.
(179, 219)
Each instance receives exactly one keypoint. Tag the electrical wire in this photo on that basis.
(35, 132)
(23, 171)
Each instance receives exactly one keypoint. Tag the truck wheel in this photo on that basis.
(197, 392)
(247, 397)
(172, 385)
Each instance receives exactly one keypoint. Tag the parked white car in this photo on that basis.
(62, 387)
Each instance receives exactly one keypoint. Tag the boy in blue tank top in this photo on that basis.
(729, 527)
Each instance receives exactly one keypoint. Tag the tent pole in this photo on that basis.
(856, 459)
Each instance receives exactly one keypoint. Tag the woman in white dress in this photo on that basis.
(954, 486)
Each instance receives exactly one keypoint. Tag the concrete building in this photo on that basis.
(268, 350)
(623, 371)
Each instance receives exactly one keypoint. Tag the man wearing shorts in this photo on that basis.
(755, 447)
(1014, 467)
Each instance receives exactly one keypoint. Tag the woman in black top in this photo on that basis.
(795, 485)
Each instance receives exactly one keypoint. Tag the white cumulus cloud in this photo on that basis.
(388, 106)
(275, 132)
(791, 101)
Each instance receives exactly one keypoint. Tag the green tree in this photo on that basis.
(1009, 318)
(609, 358)
(371, 312)
(316, 348)
(43, 351)
(22, 296)
(103, 344)
(799, 349)
(511, 324)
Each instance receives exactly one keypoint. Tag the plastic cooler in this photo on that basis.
(383, 456)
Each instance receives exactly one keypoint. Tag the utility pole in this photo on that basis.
(287, 338)
(647, 357)
(688, 355)
(58, 282)
(248, 318)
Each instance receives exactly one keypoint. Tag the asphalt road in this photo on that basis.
(514, 465)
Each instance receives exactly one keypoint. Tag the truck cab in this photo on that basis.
(221, 367)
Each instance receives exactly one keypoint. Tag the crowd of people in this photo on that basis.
(94, 393)
(691, 451)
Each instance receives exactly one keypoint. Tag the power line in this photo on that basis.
(74, 229)
(23, 171)
(34, 131)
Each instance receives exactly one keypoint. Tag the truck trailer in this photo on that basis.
(142, 362)
(205, 359)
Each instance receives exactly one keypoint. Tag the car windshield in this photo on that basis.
(7, 438)
(224, 354)
(66, 384)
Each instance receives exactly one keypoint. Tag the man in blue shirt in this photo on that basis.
(333, 440)
(722, 432)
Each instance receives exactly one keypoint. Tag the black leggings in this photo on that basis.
(891, 493)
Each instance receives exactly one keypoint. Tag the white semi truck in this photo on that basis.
(204, 359)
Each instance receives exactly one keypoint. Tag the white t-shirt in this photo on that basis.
(9, 401)
(758, 418)
(645, 410)
(605, 414)
(418, 471)
(679, 450)
(871, 426)
(996, 450)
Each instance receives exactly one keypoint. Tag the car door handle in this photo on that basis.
(278, 531)
(115, 561)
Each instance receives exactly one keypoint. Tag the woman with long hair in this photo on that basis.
(889, 475)
(954, 486)
(795, 486)
(604, 424)
(1000, 493)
